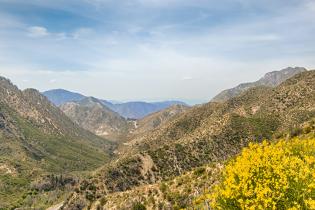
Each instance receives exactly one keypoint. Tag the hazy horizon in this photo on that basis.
(150, 50)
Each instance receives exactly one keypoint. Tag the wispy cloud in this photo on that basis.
(82, 33)
(37, 31)
(178, 48)
(41, 32)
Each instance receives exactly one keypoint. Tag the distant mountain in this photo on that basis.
(270, 79)
(36, 139)
(61, 96)
(134, 110)
(138, 109)
(91, 114)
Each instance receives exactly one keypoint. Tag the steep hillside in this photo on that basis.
(177, 193)
(93, 115)
(270, 79)
(37, 139)
(189, 190)
(210, 133)
(271, 175)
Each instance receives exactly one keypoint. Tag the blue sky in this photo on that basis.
(152, 49)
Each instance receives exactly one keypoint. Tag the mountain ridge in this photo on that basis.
(187, 191)
(205, 134)
(270, 79)
(132, 109)
(61, 96)
(139, 109)
(37, 139)
(91, 114)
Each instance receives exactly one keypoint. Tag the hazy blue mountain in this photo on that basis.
(139, 109)
(135, 110)
(61, 96)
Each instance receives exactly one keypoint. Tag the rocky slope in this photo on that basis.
(187, 190)
(159, 118)
(93, 115)
(271, 79)
(37, 139)
(206, 134)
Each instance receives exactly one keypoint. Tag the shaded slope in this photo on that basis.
(93, 115)
(37, 138)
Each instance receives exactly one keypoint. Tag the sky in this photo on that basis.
(152, 49)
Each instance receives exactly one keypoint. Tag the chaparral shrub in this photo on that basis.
(279, 175)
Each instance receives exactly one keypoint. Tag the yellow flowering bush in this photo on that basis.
(277, 175)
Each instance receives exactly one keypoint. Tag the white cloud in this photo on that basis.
(42, 32)
(37, 31)
(164, 55)
(82, 33)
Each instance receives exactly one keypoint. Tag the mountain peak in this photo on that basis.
(33, 92)
(61, 96)
(270, 79)
(6, 83)
(274, 78)
(4, 79)
(91, 114)
(288, 70)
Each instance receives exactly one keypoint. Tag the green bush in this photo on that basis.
(138, 206)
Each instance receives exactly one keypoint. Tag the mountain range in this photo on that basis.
(133, 110)
(91, 114)
(79, 153)
(207, 134)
